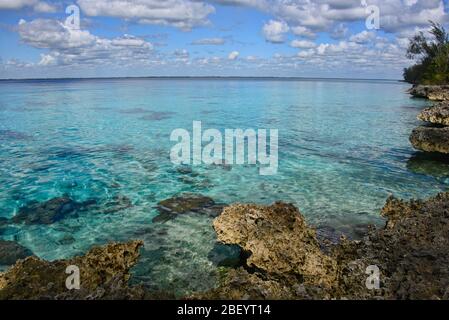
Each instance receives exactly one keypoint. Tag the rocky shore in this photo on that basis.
(104, 274)
(286, 261)
(434, 136)
(281, 257)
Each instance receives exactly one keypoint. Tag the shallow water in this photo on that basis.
(343, 149)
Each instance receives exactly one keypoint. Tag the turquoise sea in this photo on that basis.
(343, 149)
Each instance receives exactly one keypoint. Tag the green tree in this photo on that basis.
(433, 57)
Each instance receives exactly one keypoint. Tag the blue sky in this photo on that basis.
(322, 38)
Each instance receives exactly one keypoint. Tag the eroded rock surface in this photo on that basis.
(431, 139)
(278, 242)
(438, 114)
(104, 274)
(433, 92)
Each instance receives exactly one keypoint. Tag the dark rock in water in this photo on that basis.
(11, 251)
(431, 139)
(186, 170)
(50, 211)
(13, 135)
(158, 115)
(226, 256)
(184, 203)
(135, 111)
(66, 240)
(104, 275)
(119, 202)
(431, 92)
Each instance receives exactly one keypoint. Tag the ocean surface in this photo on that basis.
(343, 149)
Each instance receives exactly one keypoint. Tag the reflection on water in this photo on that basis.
(432, 164)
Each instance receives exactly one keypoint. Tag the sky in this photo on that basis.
(282, 38)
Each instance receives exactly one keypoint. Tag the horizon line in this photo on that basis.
(201, 77)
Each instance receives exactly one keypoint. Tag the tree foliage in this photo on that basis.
(432, 56)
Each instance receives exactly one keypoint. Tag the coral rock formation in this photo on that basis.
(438, 114)
(104, 273)
(431, 139)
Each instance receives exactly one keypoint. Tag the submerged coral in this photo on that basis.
(50, 211)
(184, 203)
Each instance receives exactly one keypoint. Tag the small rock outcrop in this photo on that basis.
(278, 241)
(431, 92)
(104, 274)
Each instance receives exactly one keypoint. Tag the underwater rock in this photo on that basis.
(119, 202)
(184, 203)
(431, 92)
(430, 139)
(50, 211)
(11, 251)
(438, 114)
(13, 135)
(410, 253)
(158, 115)
(104, 274)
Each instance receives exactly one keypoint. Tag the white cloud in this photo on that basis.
(70, 46)
(183, 14)
(306, 17)
(303, 32)
(209, 41)
(363, 37)
(36, 5)
(233, 55)
(274, 31)
(302, 44)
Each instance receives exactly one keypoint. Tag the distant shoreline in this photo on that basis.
(201, 78)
